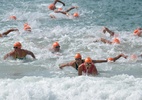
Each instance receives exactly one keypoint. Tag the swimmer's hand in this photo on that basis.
(125, 56)
(60, 66)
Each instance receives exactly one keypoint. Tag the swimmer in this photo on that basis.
(114, 41)
(66, 12)
(27, 27)
(87, 67)
(12, 17)
(53, 7)
(138, 32)
(78, 61)
(19, 53)
(105, 29)
(55, 47)
(7, 32)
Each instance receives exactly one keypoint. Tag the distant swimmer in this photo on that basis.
(19, 53)
(53, 7)
(114, 41)
(138, 32)
(7, 32)
(55, 47)
(78, 61)
(13, 17)
(27, 27)
(105, 29)
(66, 12)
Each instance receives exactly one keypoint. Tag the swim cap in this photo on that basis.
(115, 40)
(76, 14)
(51, 7)
(110, 59)
(13, 17)
(137, 32)
(27, 27)
(18, 45)
(55, 44)
(26, 24)
(77, 56)
(88, 60)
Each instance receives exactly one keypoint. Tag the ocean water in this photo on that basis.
(42, 79)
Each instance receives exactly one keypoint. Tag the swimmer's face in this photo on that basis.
(77, 60)
(57, 48)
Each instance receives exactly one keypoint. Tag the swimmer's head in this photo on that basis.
(78, 56)
(17, 45)
(27, 27)
(88, 60)
(13, 17)
(56, 45)
(51, 7)
(110, 60)
(76, 14)
(116, 40)
(136, 32)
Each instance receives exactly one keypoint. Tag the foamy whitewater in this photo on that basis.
(42, 79)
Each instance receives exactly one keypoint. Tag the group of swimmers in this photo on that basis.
(60, 10)
(81, 65)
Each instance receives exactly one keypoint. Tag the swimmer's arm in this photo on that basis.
(8, 31)
(70, 9)
(65, 65)
(105, 41)
(8, 55)
(99, 61)
(31, 53)
(63, 12)
(60, 2)
(120, 55)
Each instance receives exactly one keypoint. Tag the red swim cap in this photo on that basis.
(110, 60)
(78, 56)
(18, 45)
(51, 7)
(76, 14)
(88, 60)
(55, 44)
(115, 40)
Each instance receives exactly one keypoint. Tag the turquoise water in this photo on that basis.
(42, 79)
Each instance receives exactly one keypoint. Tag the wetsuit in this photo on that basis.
(76, 66)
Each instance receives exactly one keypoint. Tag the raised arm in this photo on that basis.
(59, 1)
(70, 9)
(105, 29)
